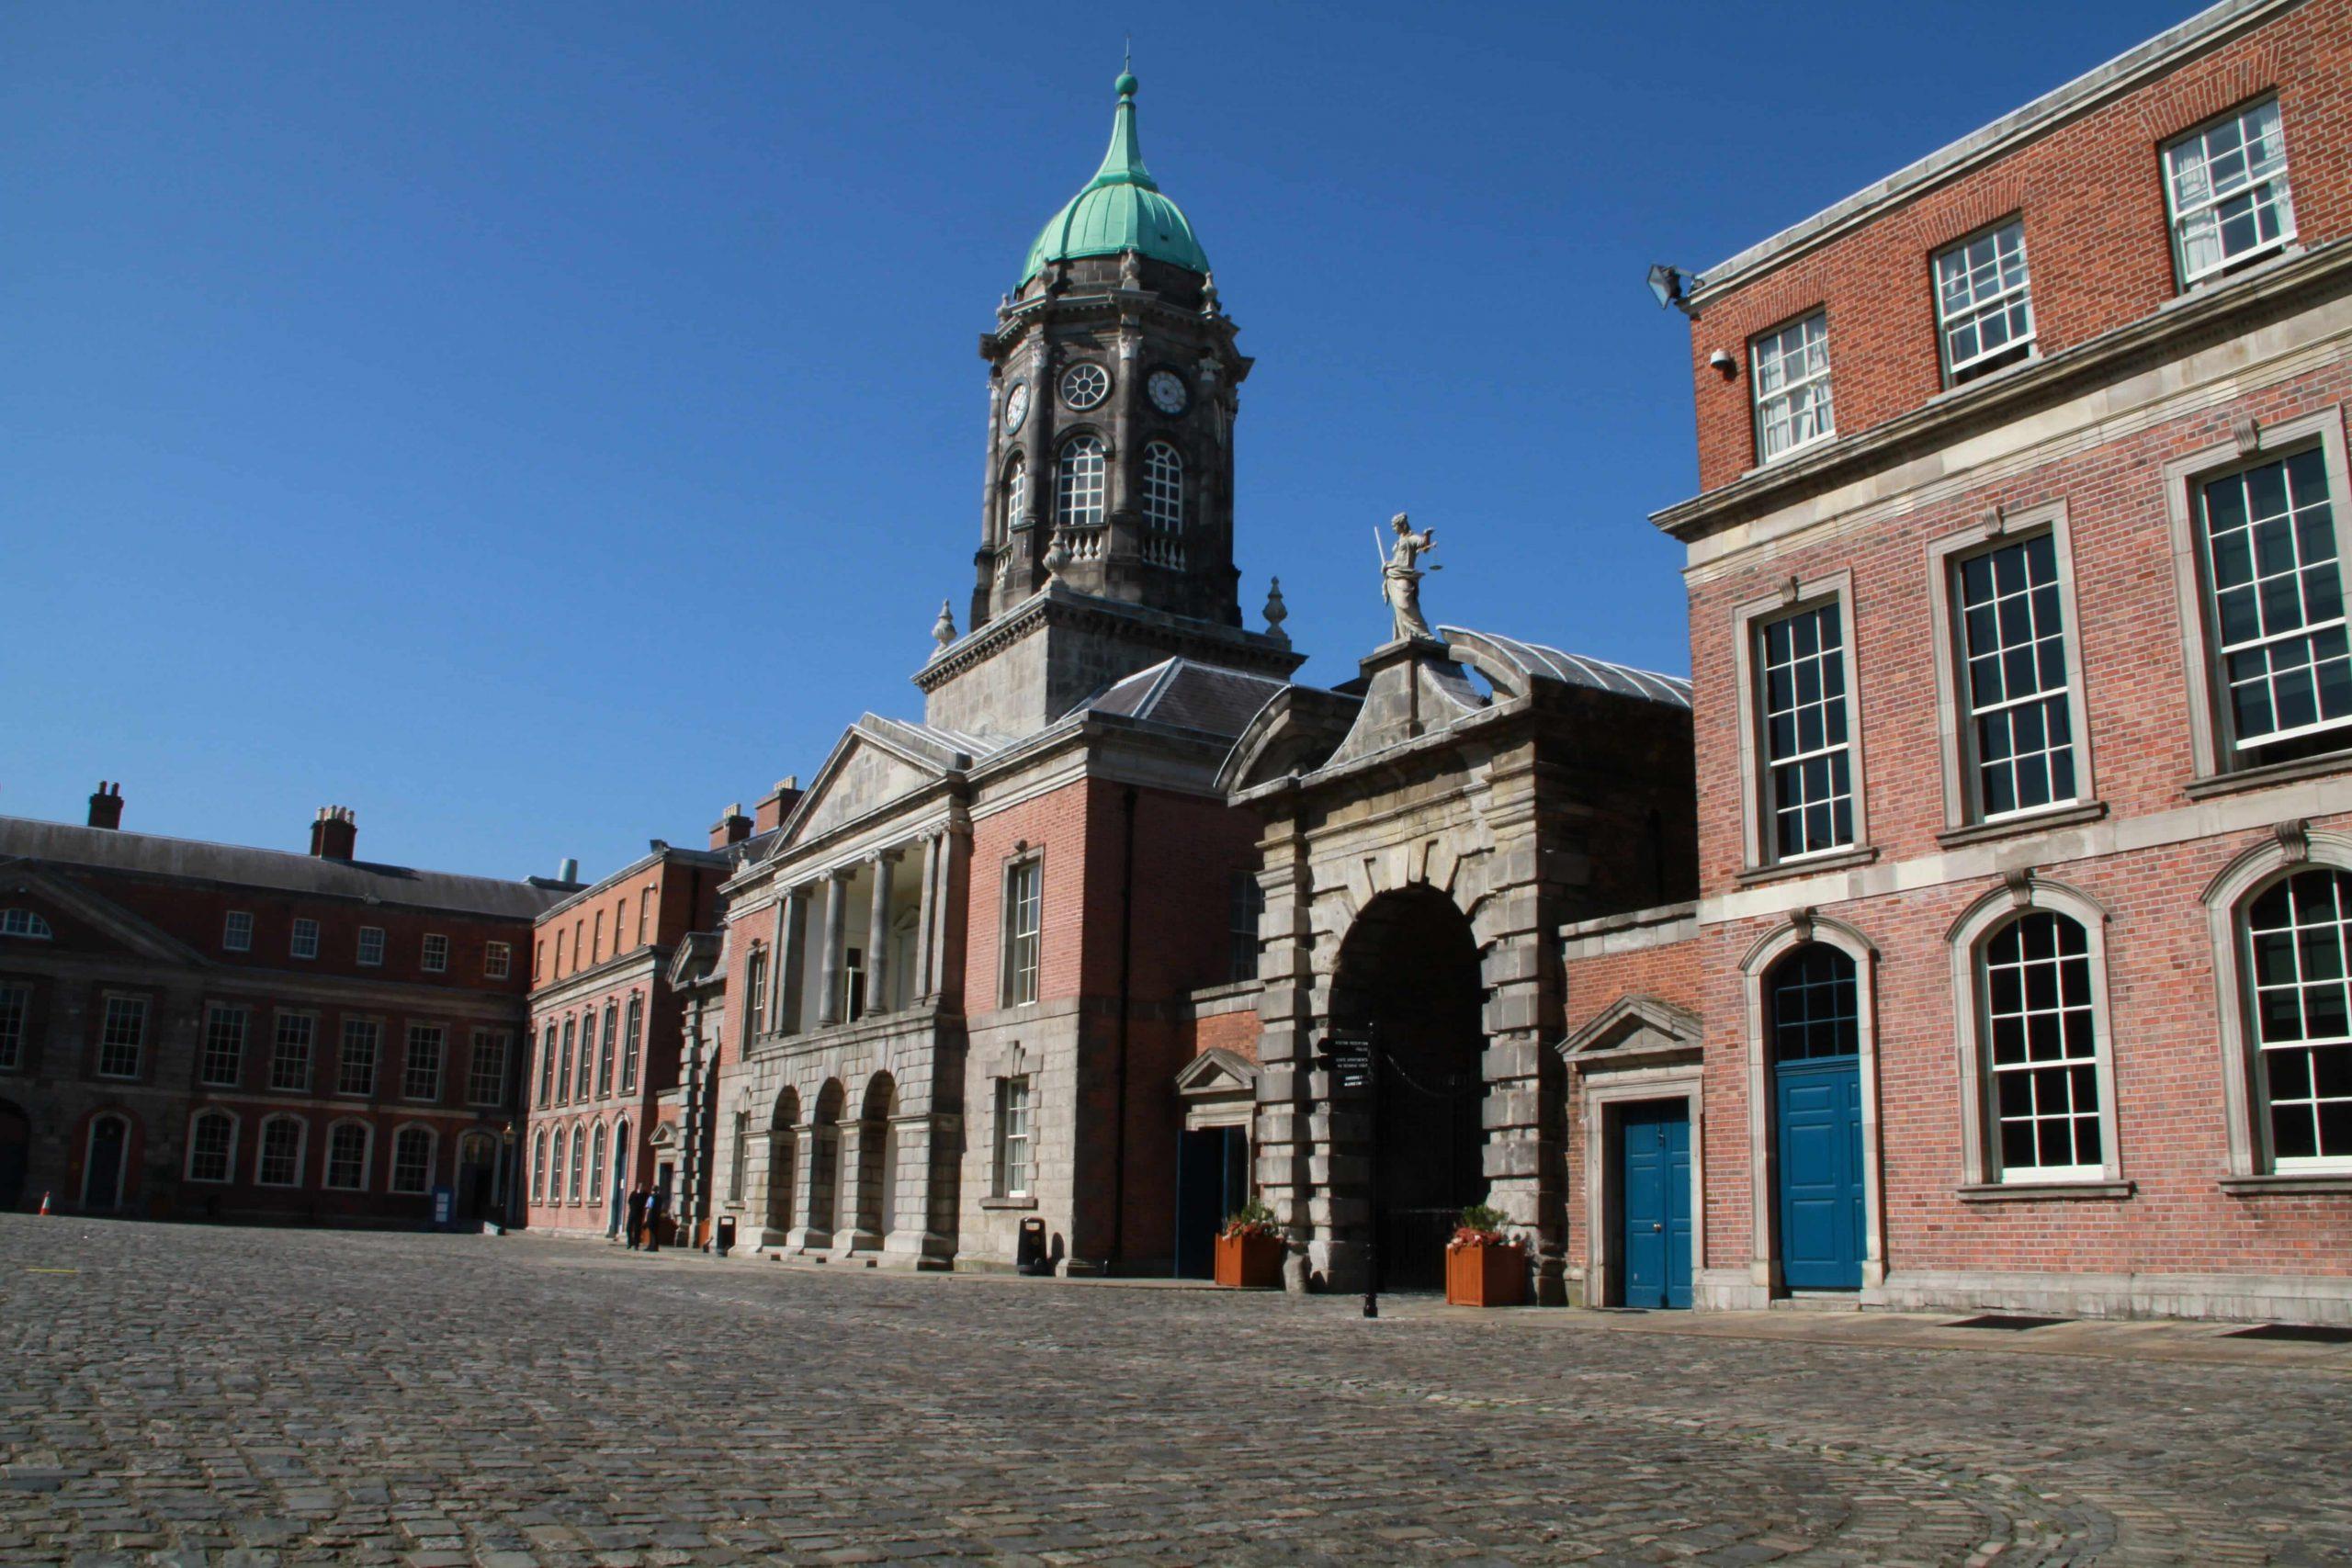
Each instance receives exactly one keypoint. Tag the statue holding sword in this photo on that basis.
(1400, 579)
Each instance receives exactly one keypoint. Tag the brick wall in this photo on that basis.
(2092, 197)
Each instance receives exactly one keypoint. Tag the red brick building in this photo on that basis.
(609, 1029)
(2023, 725)
(205, 1031)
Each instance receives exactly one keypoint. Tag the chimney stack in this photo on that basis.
(567, 869)
(106, 806)
(732, 826)
(770, 813)
(335, 832)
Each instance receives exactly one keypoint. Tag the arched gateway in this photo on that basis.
(1407, 974)
(1429, 828)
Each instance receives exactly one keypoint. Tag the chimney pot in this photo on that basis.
(106, 806)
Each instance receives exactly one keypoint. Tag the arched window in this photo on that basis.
(1012, 496)
(579, 1157)
(2301, 1001)
(280, 1162)
(596, 1167)
(2042, 1049)
(1163, 488)
(555, 1169)
(1077, 486)
(347, 1150)
(412, 1159)
(1812, 1003)
(212, 1147)
(26, 923)
(539, 1168)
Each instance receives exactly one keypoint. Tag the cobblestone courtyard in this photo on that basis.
(256, 1395)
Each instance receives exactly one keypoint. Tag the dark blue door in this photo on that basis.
(1654, 1178)
(1820, 1125)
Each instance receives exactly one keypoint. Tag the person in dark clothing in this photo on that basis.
(653, 1220)
(635, 1217)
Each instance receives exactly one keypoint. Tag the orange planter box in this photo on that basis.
(1250, 1262)
(1486, 1275)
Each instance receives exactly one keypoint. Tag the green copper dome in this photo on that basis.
(1120, 209)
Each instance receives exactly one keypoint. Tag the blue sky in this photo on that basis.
(537, 425)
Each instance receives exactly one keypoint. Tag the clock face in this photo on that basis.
(1016, 407)
(1084, 386)
(1166, 389)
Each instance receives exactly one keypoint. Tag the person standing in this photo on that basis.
(635, 1217)
(653, 1220)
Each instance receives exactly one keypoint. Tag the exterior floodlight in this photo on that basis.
(1668, 284)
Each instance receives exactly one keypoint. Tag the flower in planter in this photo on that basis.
(1482, 1226)
(1253, 1222)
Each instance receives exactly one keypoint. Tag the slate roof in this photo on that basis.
(102, 849)
(1540, 662)
(1184, 695)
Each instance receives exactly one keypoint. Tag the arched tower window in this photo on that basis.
(1163, 505)
(1014, 496)
(1079, 484)
(1813, 1008)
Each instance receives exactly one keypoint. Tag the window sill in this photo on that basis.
(994, 1203)
(2287, 247)
(2269, 773)
(1840, 860)
(1963, 381)
(2043, 1191)
(2286, 1182)
(2024, 822)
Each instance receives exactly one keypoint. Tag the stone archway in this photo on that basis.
(16, 1151)
(784, 1164)
(1408, 969)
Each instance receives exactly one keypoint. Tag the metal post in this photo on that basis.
(1372, 1171)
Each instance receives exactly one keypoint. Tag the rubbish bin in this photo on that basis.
(724, 1242)
(1030, 1258)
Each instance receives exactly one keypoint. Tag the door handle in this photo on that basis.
(1658, 1226)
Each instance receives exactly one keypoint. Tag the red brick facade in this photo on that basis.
(608, 1033)
(2136, 393)
(201, 1030)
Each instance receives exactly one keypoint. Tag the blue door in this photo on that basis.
(1653, 1171)
(1819, 1105)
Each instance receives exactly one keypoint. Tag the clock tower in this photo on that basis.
(1113, 384)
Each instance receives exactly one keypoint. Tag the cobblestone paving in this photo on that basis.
(185, 1394)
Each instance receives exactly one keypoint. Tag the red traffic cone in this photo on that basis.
(44, 1202)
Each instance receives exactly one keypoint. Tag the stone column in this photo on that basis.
(813, 1210)
(792, 948)
(828, 978)
(858, 1142)
(927, 910)
(878, 934)
(919, 1237)
(775, 986)
(1282, 1143)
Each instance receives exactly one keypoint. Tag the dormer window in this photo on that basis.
(25, 923)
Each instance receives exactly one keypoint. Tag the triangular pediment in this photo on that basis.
(82, 921)
(876, 763)
(1217, 1071)
(1638, 1025)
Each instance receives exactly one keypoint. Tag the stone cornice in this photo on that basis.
(1251, 653)
(647, 961)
